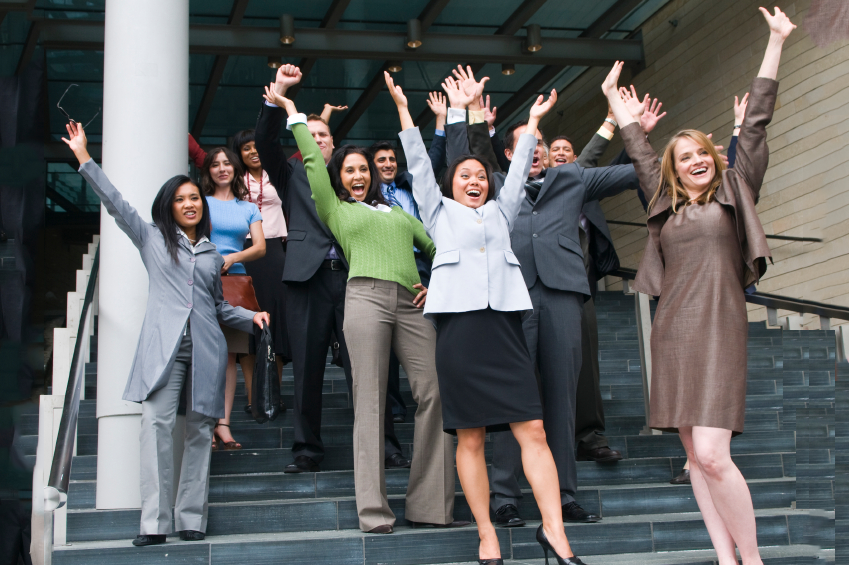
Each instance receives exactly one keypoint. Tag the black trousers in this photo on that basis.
(589, 413)
(314, 309)
(553, 333)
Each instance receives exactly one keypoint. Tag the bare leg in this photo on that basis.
(471, 467)
(728, 489)
(687, 465)
(541, 472)
(721, 538)
(223, 431)
(248, 362)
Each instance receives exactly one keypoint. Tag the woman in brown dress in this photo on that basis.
(705, 245)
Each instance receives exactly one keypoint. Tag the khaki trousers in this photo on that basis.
(379, 316)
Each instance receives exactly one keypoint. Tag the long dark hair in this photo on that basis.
(448, 179)
(374, 195)
(163, 214)
(237, 185)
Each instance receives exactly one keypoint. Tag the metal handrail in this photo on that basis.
(56, 491)
(768, 236)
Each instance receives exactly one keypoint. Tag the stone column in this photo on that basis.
(145, 120)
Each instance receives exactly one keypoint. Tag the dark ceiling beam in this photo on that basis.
(237, 13)
(331, 18)
(373, 45)
(56, 197)
(599, 27)
(428, 15)
(29, 47)
(511, 25)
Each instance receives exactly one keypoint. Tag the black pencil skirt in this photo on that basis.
(267, 277)
(486, 376)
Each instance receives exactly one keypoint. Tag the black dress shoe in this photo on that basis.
(192, 535)
(399, 419)
(397, 461)
(682, 479)
(507, 516)
(302, 464)
(454, 524)
(248, 408)
(572, 512)
(384, 529)
(546, 547)
(145, 539)
(599, 455)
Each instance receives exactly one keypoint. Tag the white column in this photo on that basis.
(145, 120)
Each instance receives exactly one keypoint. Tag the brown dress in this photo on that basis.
(699, 262)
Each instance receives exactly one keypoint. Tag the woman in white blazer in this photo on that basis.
(476, 300)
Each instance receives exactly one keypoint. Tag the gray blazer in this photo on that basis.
(187, 291)
(474, 265)
(546, 236)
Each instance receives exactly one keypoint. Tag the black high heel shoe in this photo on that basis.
(546, 547)
(498, 561)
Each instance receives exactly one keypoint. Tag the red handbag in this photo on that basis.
(239, 291)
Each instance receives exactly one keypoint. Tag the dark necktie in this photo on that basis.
(532, 188)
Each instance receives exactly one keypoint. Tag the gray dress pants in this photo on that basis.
(553, 333)
(159, 414)
(380, 315)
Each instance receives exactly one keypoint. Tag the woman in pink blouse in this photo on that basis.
(267, 272)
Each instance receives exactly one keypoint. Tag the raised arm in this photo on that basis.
(328, 111)
(271, 155)
(437, 152)
(511, 194)
(637, 146)
(425, 190)
(127, 218)
(752, 155)
(326, 201)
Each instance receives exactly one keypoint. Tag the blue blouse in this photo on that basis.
(231, 224)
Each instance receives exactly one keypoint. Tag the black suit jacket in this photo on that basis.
(309, 238)
(546, 237)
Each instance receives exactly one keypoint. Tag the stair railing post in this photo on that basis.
(643, 312)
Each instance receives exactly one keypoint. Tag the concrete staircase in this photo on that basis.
(258, 515)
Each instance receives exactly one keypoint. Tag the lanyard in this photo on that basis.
(250, 198)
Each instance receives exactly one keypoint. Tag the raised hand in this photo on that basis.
(395, 91)
(779, 24)
(469, 85)
(540, 108)
(278, 100)
(488, 115)
(400, 102)
(610, 85)
(77, 141)
(457, 97)
(635, 106)
(740, 109)
(329, 109)
(650, 117)
(436, 103)
(287, 76)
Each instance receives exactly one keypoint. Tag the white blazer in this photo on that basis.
(474, 265)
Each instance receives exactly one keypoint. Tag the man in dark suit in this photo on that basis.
(316, 274)
(546, 240)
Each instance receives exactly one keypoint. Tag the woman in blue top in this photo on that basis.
(233, 218)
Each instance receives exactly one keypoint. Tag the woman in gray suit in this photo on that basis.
(476, 300)
(180, 337)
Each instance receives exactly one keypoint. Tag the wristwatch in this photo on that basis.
(612, 122)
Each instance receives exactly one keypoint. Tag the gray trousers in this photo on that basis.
(159, 415)
(553, 333)
(380, 315)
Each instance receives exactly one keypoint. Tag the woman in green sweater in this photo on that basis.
(383, 305)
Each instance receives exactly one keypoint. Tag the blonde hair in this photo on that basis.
(670, 183)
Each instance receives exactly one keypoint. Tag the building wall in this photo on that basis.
(696, 68)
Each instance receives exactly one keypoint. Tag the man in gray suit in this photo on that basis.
(546, 240)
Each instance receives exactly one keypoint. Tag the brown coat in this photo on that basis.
(740, 189)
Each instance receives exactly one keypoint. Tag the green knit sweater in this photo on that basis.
(377, 244)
